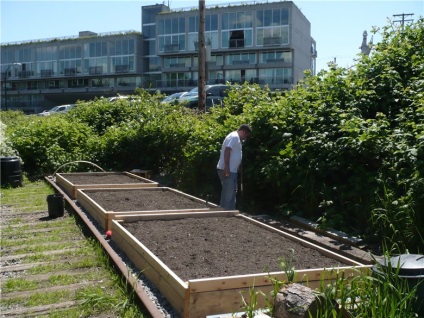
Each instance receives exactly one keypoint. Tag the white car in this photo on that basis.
(174, 98)
(57, 110)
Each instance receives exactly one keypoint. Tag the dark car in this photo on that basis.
(215, 95)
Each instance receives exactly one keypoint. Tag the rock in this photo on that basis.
(298, 301)
(295, 301)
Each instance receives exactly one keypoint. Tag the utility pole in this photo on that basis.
(202, 57)
(403, 18)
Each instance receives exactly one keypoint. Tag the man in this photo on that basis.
(228, 164)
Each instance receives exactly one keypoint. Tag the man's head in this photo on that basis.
(244, 131)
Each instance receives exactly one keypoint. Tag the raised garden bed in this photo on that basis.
(201, 263)
(71, 182)
(107, 204)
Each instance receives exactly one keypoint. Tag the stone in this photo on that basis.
(295, 301)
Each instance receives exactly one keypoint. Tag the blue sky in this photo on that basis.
(337, 26)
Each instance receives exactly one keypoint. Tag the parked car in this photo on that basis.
(57, 110)
(174, 98)
(120, 97)
(215, 94)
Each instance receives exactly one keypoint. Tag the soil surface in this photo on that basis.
(202, 247)
(222, 246)
(100, 178)
(144, 200)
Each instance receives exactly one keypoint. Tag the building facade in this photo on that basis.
(268, 43)
(40, 74)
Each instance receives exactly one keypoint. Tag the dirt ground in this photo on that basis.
(206, 247)
(100, 178)
(144, 200)
(222, 246)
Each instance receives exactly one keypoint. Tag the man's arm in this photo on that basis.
(227, 154)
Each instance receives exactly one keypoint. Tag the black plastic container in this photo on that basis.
(11, 173)
(55, 205)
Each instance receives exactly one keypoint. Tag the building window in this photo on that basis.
(123, 64)
(122, 47)
(69, 52)
(78, 83)
(126, 81)
(275, 76)
(46, 68)
(275, 57)
(236, 29)
(70, 67)
(272, 36)
(100, 82)
(46, 53)
(174, 61)
(95, 66)
(96, 49)
(241, 58)
(171, 43)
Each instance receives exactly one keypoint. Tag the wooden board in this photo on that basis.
(104, 217)
(219, 295)
(71, 189)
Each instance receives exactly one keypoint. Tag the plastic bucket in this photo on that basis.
(55, 205)
(11, 173)
(411, 268)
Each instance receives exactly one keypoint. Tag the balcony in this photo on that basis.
(46, 73)
(169, 48)
(241, 62)
(236, 43)
(272, 41)
(275, 60)
(25, 74)
(70, 71)
(177, 65)
(93, 70)
(122, 68)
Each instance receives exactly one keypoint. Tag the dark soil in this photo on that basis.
(100, 178)
(222, 246)
(143, 200)
(203, 247)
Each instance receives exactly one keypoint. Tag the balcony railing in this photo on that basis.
(46, 73)
(272, 41)
(122, 68)
(176, 83)
(25, 74)
(70, 71)
(95, 70)
(235, 43)
(169, 48)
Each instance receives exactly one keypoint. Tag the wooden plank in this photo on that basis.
(66, 185)
(263, 279)
(223, 301)
(141, 172)
(72, 188)
(170, 285)
(139, 249)
(305, 243)
(208, 299)
(170, 215)
(105, 217)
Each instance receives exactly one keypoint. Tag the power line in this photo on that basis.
(403, 15)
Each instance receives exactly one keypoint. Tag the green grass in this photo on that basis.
(106, 292)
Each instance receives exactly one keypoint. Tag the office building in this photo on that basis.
(40, 74)
(267, 42)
